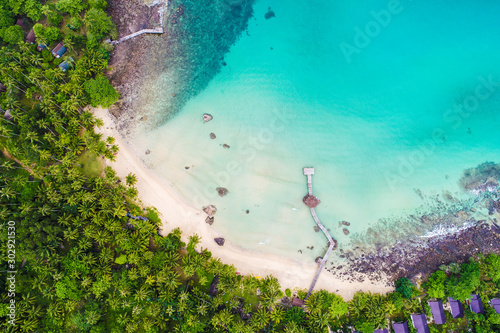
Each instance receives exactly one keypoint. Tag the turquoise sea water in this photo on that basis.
(386, 128)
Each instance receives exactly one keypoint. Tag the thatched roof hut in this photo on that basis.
(456, 308)
(420, 323)
(20, 22)
(31, 38)
(297, 302)
(437, 311)
(311, 201)
(475, 303)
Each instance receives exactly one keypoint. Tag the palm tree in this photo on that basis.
(260, 319)
(131, 179)
(277, 314)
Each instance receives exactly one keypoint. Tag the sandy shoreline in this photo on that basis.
(175, 212)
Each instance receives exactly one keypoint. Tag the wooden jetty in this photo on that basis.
(311, 201)
(135, 34)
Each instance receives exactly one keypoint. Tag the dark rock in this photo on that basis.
(212, 136)
(346, 223)
(269, 14)
(186, 167)
(346, 232)
(209, 220)
(247, 211)
(225, 146)
(318, 260)
(220, 241)
(316, 228)
(148, 152)
(222, 191)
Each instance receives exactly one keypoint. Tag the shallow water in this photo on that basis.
(389, 121)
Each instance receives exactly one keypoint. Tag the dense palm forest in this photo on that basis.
(89, 257)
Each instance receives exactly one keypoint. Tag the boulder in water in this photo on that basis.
(212, 136)
(269, 14)
(207, 117)
(222, 191)
(210, 210)
(346, 232)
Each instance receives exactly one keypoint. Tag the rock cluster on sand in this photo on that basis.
(222, 191)
(220, 241)
(421, 256)
(210, 210)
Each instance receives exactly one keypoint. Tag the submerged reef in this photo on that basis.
(484, 177)
(443, 230)
(157, 74)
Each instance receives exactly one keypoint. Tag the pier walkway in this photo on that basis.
(135, 34)
(312, 202)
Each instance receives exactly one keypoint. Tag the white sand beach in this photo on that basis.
(177, 213)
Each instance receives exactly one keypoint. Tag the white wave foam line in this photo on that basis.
(478, 192)
(445, 230)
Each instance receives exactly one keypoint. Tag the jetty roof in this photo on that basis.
(437, 312)
(308, 171)
(457, 310)
(420, 323)
(401, 327)
(475, 304)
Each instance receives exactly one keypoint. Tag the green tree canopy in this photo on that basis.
(99, 4)
(493, 267)
(101, 92)
(6, 18)
(13, 34)
(404, 287)
(33, 9)
(460, 287)
(435, 285)
(98, 23)
(73, 7)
